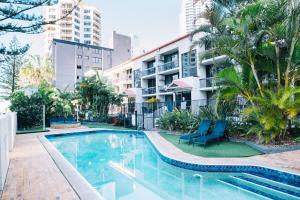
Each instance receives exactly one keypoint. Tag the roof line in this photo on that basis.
(160, 47)
(81, 44)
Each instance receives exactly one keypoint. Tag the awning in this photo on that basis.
(130, 92)
(180, 83)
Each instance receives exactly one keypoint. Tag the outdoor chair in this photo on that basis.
(202, 130)
(216, 134)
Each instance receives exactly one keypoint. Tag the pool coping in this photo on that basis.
(166, 152)
(80, 185)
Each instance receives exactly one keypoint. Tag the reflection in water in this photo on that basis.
(121, 166)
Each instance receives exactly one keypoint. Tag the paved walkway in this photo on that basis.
(33, 175)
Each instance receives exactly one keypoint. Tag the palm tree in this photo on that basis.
(36, 71)
(263, 39)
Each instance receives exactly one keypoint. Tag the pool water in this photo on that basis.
(124, 166)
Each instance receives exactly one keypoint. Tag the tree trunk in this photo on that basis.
(289, 64)
(255, 75)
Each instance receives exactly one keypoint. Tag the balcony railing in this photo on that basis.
(149, 71)
(208, 82)
(150, 90)
(168, 66)
(163, 88)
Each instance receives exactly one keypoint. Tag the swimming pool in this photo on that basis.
(125, 165)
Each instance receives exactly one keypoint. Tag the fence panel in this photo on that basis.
(145, 115)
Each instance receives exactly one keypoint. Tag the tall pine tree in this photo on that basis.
(10, 65)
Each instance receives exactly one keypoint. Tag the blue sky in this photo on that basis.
(154, 21)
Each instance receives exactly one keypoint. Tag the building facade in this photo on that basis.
(83, 25)
(72, 60)
(169, 73)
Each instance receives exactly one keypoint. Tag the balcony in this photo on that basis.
(163, 89)
(150, 90)
(208, 82)
(149, 71)
(168, 66)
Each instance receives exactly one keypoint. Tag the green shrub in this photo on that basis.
(178, 120)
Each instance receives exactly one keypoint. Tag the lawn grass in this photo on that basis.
(104, 125)
(37, 130)
(222, 149)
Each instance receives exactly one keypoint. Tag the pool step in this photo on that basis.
(246, 188)
(290, 182)
(264, 189)
(282, 187)
(274, 182)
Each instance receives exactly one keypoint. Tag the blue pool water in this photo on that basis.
(127, 167)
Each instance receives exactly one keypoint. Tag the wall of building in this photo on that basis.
(71, 61)
(121, 48)
(8, 126)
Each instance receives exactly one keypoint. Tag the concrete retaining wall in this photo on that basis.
(8, 126)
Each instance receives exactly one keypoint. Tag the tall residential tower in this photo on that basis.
(191, 14)
(82, 25)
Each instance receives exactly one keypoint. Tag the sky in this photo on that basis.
(154, 21)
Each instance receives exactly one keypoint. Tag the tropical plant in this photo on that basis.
(272, 113)
(36, 71)
(177, 120)
(96, 96)
(30, 106)
(261, 39)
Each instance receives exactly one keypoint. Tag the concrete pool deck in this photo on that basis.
(34, 175)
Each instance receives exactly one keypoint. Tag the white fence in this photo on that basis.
(8, 127)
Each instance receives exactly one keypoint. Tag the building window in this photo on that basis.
(78, 77)
(170, 78)
(87, 11)
(87, 23)
(79, 47)
(128, 86)
(150, 64)
(79, 56)
(86, 57)
(96, 51)
(77, 34)
(87, 42)
(77, 27)
(78, 66)
(76, 14)
(96, 60)
(151, 83)
(189, 64)
(87, 17)
(87, 35)
(87, 29)
(76, 40)
(77, 21)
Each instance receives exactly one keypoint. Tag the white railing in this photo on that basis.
(8, 127)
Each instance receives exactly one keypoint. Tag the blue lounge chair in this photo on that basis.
(216, 134)
(202, 130)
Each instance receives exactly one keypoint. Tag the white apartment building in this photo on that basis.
(191, 14)
(170, 73)
(82, 25)
(72, 60)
